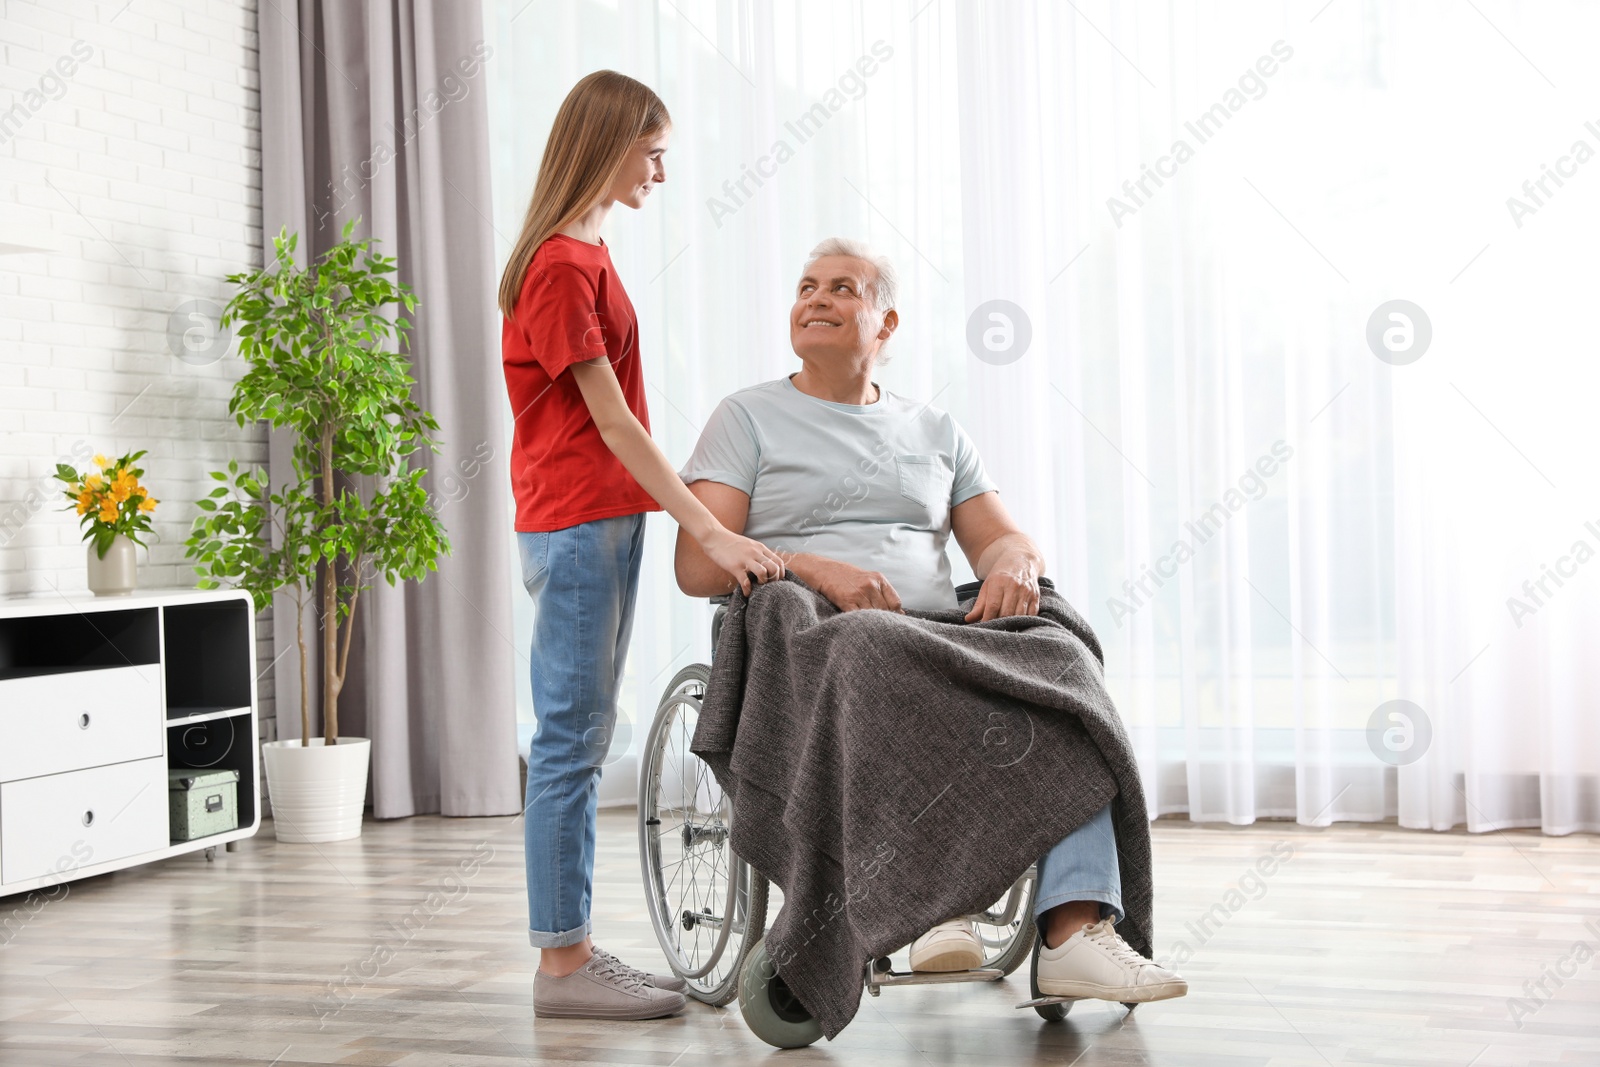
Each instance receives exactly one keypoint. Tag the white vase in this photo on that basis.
(118, 572)
(317, 790)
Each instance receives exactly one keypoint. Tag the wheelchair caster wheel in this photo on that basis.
(769, 1009)
(1050, 1013)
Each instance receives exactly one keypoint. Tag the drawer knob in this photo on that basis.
(83, 721)
(88, 818)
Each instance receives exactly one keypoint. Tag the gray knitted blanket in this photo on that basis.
(890, 771)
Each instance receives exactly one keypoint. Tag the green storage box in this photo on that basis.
(202, 802)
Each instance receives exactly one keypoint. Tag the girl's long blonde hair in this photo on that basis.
(599, 121)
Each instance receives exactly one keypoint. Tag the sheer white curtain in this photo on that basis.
(1194, 218)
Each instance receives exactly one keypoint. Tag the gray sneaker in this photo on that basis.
(660, 981)
(602, 989)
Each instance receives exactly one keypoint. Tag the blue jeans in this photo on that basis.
(1081, 866)
(583, 580)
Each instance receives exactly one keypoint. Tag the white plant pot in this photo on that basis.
(317, 790)
(118, 573)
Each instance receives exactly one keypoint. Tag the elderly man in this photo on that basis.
(859, 490)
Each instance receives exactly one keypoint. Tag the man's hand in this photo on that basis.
(1001, 554)
(1011, 588)
(846, 587)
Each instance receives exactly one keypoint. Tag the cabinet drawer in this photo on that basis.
(77, 719)
(68, 821)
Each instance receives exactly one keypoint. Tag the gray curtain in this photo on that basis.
(376, 109)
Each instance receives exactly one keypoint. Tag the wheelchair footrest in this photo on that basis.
(1039, 1002)
(977, 974)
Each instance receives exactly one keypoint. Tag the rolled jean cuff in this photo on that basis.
(1110, 903)
(541, 939)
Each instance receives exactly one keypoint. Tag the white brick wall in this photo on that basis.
(130, 153)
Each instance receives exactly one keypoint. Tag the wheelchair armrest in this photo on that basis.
(716, 619)
(967, 589)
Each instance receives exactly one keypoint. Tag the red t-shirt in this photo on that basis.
(572, 308)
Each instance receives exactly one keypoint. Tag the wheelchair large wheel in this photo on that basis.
(706, 904)
(1008, 944)
(769, 1009)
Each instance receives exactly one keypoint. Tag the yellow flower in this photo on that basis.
(108, 512)
(94, 481)
(148, 504)
(101, 462)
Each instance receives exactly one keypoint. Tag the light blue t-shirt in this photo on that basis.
(869, 484)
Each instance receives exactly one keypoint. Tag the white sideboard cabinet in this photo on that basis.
(99, 697)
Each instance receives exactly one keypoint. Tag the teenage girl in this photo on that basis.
(585, 472)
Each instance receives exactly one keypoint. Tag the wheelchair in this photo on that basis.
(709, 907)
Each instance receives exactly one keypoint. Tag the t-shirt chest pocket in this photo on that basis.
(925, 482)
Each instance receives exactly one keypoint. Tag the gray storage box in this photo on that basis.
(202, 802)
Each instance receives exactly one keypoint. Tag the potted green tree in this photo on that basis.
(323, 352)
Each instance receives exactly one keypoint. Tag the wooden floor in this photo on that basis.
(1366, 946)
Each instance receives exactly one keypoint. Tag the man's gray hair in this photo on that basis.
(885, 285)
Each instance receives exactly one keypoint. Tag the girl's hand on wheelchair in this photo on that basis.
(1006, 592)
(742, 557)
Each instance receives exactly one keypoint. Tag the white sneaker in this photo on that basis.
(1096, 963)
(950, 946)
